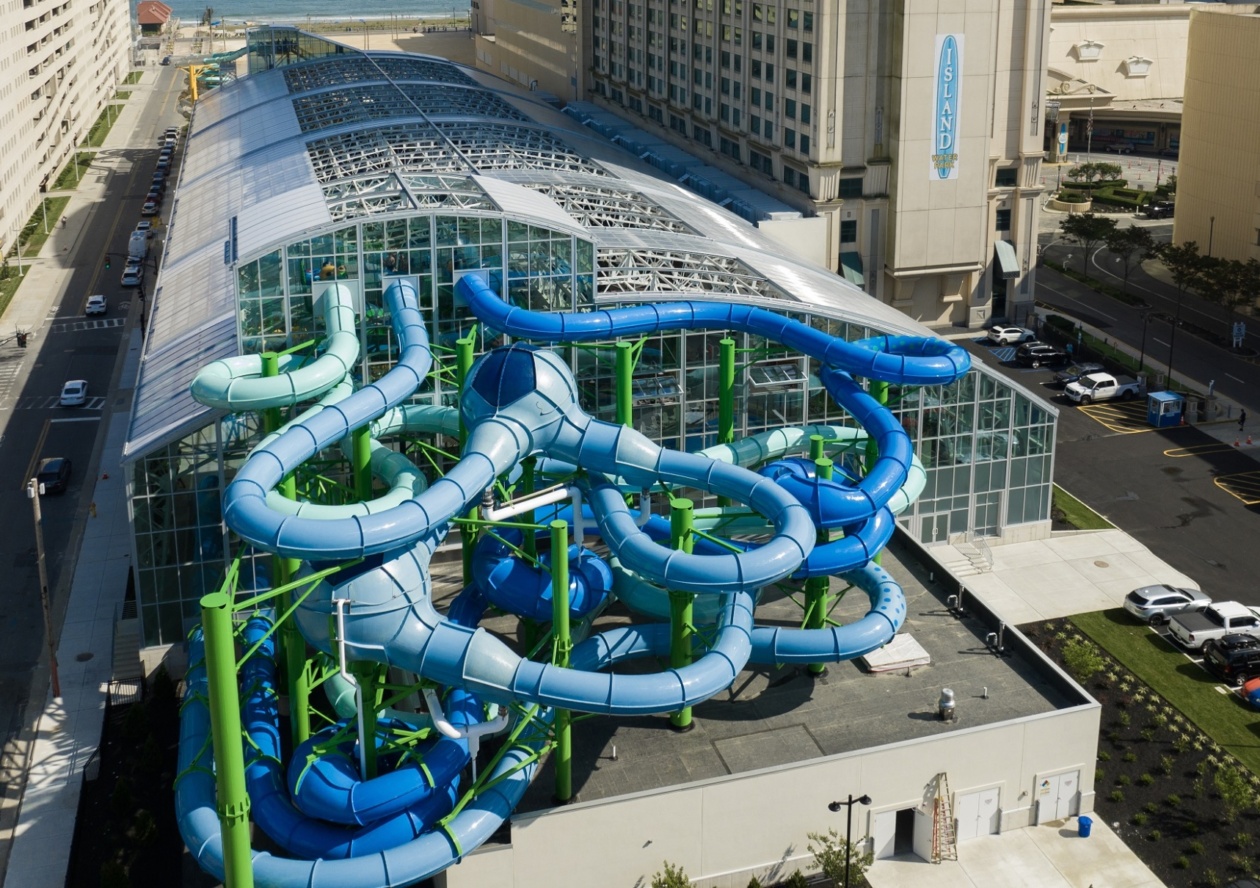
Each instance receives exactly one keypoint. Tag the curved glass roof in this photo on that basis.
(292, 152)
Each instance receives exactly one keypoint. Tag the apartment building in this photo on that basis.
(60, 63)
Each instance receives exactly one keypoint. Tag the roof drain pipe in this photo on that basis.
(341, 604)
(471, 733)
(546, 497)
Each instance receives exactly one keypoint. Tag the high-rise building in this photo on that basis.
(914, 128)
(60, 66)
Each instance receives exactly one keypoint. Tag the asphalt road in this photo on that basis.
(1158, 485)
(66, 345)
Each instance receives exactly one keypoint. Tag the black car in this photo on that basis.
(1159, 209)
(1037, 354)
(1233, 658)
(53, 475)
(1073, 372)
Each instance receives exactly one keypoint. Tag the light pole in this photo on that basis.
(1089, 128)
(32, 493)
(834, 808)
(1211, 232)
(364, 23)
(1172, 338)
(1146, 320)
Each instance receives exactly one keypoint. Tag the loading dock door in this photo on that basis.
(978, 814)
(884, 831)
(1058, 797)
(923, 833)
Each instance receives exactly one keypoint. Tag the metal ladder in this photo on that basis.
(944, 840)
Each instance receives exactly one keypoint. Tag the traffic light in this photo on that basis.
(107, 263)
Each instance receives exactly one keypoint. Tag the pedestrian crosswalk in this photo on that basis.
(47, 402)
(9, 371)
(80, 324)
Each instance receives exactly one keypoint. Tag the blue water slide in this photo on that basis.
(396, 867)
(524, 589)
(910, 360)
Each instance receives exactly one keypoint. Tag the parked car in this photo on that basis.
(96, 305)
(150, 208)
(164, 163)
(1121, 147)
(154, 196)
(74, 393)
(1000, 335)
(1038, 354)
(131, 275)
(1155, 604)
(166, 60)
(1232, 658)
(1103, 387)
(1073, 372)
(1192, 629)
(1250, 691)
(53, 475)
(1159, 209)
(145, 225)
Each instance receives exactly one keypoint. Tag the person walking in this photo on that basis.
(1242, 419)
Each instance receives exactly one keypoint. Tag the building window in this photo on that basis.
(1003, 220)
(769, 102)
(656, 114)
(807, 83)
(769, 73)
(807, 22)
(725, 58)
(804, 143)
(730, 148)
(736, 117)
(789, 138)
(760, 162)
(791, 49)
(756, 43)
(802, 184)
(769, 131)
(804, 113)
(848, 231)
(793, 18)
(789, 175)
(754, 96)
(789, 78)
(851, 189)
(769, 43)
(1007, 177)
(789, 108)
(754, 124)
(756, 68)
(807, 52)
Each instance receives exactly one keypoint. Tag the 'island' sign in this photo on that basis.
(945, 117)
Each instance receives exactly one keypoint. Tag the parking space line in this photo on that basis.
(1197, 450)
(1244, 487)
(1123, 419)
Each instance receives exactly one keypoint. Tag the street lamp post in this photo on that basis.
(1172, 338)
(1211, 232)
(834, 808)
(1146, 320)
(32, 493)
(365, 41)
(1089, 128)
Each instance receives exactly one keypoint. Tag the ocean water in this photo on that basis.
(262, 11)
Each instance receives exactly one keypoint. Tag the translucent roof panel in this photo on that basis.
(386, 101)
(350, 69)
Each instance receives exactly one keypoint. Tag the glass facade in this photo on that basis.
(987, 447)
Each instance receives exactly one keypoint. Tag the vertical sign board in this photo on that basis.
(945, 119)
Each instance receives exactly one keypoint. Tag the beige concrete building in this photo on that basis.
(1218, 192)
(530, 42)
(61, 65)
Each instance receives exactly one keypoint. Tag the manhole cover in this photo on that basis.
(84, 657)
(1101, 564)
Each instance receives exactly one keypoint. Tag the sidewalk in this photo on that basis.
(68, 731)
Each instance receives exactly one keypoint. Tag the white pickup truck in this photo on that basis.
(1102, 387)
(1221, 618)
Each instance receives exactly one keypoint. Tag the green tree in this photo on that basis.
(1082, 658)
(1130, 245)
(1087, 230)
(1184, 263)
(1108, 171)
(831, 852)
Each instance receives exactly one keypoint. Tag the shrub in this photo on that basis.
(1073, 196)
(1138, 819)
(1129, 756)
(1124, 719)
(1182, 862)
(1098, 774)
(1154, 835)
(754, 882)
(1211, 879)
(1173, 800)
(1123, 780)
(1242, 839)
(1104, 755)
(672, 877)
(1146, 780)
(1148, 734)
(1117, 795)
(1196, 847)
(1166, 764)
(831, 851)
(1150, 807)
(796, 880)
(1236, 793)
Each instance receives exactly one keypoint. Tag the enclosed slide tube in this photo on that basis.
(402, 865)
(237, 384)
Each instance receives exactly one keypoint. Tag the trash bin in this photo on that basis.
(1084, 824)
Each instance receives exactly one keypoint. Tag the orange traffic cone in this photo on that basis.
(1248, 440)
(1235, 442)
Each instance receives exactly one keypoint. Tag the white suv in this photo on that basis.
(1010, 335)
(96, 305)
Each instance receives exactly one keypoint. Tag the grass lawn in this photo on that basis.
(1076, 513)
(10, 280)
(33, 233)
(134, 77)
(1223, 717)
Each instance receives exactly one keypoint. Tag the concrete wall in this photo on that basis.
(525, 43)
(1155, 32)
(1217, 176)
(724, 831)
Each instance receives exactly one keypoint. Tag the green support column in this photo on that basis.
(367, 674)
(467, 533)
(563, 645)
(726, 398)
(225, 727)
(292, 645)
(878, 391)
(817, 589)
(681, 624)
(625, 384)
(361, 462)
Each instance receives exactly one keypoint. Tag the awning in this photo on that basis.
(851, 268)
(1007, 261)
